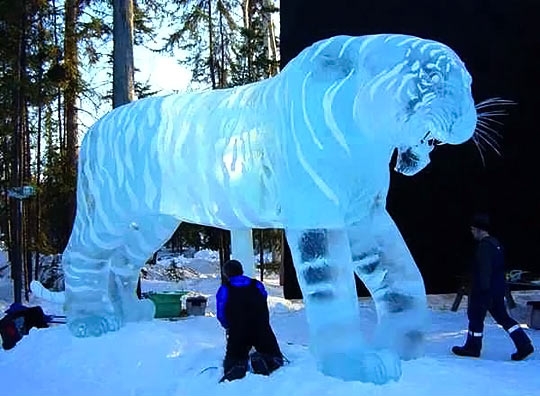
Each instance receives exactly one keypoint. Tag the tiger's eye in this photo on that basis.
(435, 78)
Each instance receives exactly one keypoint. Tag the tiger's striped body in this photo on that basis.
(307, 151)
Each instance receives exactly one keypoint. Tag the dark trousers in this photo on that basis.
(479, 306)
(240, 342)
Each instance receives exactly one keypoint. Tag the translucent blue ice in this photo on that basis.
(307, 151)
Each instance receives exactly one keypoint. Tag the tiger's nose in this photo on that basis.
(463, 128)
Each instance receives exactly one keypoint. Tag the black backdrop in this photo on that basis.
(499, 41)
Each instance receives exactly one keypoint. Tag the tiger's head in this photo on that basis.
(427, 91)
(406, 92)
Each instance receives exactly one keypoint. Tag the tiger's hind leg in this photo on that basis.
(146, 235)
(101, 273)
(384, 264)
(88, 308)
(322, 259)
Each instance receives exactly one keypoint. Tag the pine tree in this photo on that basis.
(23, 73)
(257, 52)
(123, 69)
(205, 32)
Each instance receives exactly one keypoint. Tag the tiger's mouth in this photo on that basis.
(412, 159)
(430, 139)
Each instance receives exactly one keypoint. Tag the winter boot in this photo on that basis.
(472, 346)
(522, 341)
(265, 364)
(233, 370)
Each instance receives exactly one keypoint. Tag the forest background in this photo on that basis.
(65, 63)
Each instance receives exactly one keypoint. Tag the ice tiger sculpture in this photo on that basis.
(307, 151)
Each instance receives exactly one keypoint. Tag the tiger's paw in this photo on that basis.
(138, 310)
(375, 366)
(408, 343)
(411, 345)
(94, 325)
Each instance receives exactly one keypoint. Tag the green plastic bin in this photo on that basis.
(168, 304)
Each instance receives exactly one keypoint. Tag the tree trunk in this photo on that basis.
(211, 56)
(261, 253)
(37, 207)
(27, 208)
(59, 109)
(71, 64)
(35, 226)
(271, 41)
(123, 68)
(247, 12)
(222, 73)
(17, 158)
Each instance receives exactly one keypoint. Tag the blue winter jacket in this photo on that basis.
(223, 293)
(488, 270)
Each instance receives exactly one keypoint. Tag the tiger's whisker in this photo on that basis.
(487, 147)
(477, 145)
(486, 136)
(494, 102)
(495, 113)
(488, 120)
(490, 143)
(489, 128)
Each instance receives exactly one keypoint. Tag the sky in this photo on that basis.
(161, 70)
(183, 357)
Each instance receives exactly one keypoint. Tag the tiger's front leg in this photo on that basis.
(383, 262)
(322, 259)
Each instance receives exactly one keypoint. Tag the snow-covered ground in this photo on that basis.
(182, 358)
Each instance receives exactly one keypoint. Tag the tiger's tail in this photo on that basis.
(42, 292)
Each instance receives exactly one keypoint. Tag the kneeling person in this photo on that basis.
(243, 311)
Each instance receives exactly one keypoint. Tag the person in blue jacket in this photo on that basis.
(242, 310)
(487, 291)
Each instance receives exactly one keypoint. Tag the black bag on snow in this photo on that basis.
(18, 321)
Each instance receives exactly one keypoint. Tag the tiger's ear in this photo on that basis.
(331, 63)
(332, 67)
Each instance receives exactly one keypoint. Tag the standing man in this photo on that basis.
(488, 286)
(243, 311)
